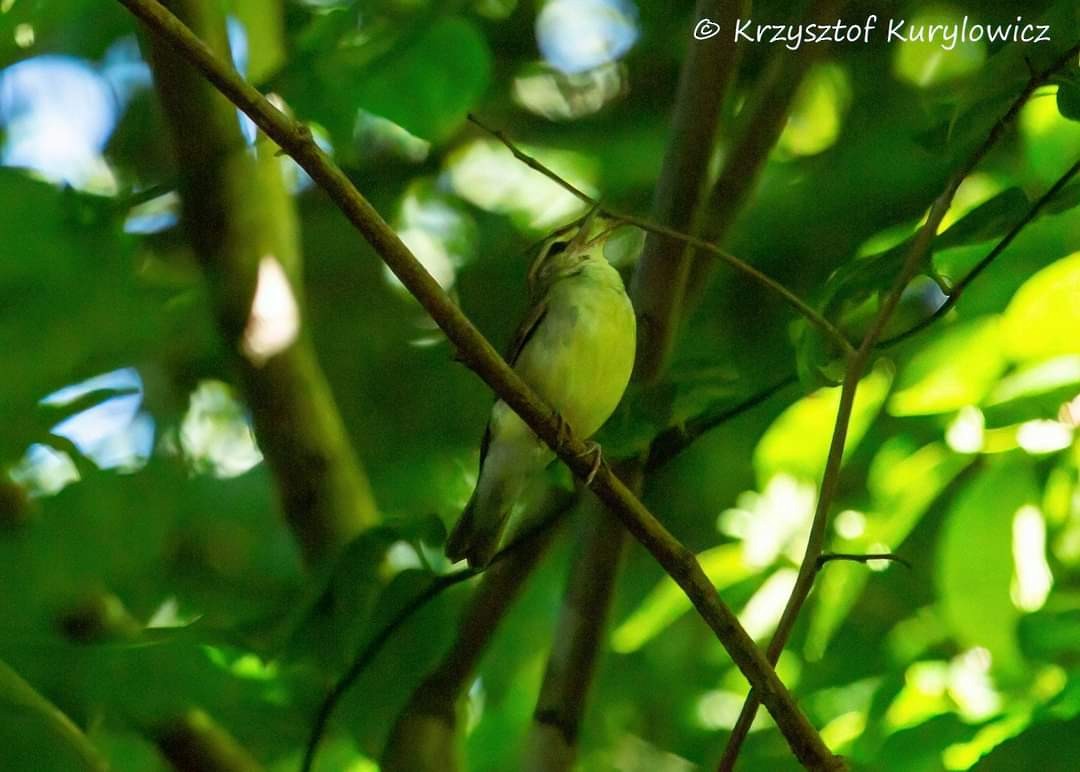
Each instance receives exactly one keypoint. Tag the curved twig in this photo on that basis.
(915, 256)
(800, 305)
(375, 644)
(679, 562)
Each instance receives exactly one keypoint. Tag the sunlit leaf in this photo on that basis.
(975, 561)
(1043, 318)
(797, 443)
(954, 370)
(724, 565)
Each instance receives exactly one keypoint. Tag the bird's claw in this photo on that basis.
(593, 449)
(562, 436)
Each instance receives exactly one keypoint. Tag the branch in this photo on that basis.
(657, 291)
(675, 439)
(760, 125)
(704, 80)
(801, 306)
(982, 265)
(238, 213)
(19, 696)
(528, 542)
(423, 736)
(590, 585)
(917, 253)
(193, 742)
(478, 353)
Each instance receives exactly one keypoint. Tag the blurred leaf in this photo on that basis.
(76, 236)
(724, 565)
(954, 370)
(426, 88)
(68, 747)
(1033, 391)
(1043, 318)
(54, 32)
(903, 485)
(975, 561)
(989, 220)
(797, 442)
(1068, 99)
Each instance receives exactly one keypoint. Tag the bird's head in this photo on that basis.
(570, 250)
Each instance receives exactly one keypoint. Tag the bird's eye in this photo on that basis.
(558, 248)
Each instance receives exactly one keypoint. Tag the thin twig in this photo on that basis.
(675, 439)
(800, 305)
(678, 561)
(857, 364)
(954, 294)
(375, 644)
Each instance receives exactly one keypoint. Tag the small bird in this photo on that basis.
(575, 348)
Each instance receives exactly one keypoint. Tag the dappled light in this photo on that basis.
(578, 35)
(818, 111)
(485, 174)
(215, 434)
(926, 58)
(274, 323)
(562, 386)
(57, 112)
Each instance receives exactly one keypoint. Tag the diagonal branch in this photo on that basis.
(656, 290)
(675, 439)
(679, 562)
(958, 289)
(914, 258)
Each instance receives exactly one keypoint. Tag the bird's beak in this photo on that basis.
(581, 238)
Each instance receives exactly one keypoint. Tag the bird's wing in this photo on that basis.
(525, 330)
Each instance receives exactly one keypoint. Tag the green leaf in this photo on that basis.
(990, 219)
(426, 86)
(1068, 99)
(23, 709)
(430, 87)
(1035, 390)
(724, 565)
(975, 561)
(955, 370)
(1043, 317)
(64, 327)
(797, 442)
(903, 485)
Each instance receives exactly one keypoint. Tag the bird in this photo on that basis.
(575, 348)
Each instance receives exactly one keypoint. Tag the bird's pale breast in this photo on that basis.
(582, 355)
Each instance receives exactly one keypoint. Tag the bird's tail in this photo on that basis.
(479, 530)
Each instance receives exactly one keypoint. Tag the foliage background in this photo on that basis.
(145, 563)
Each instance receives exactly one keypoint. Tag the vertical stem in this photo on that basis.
(759, 127)
(571, 665)
(424, 737)
(913, 260)
(657, 290)
(238, 215)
